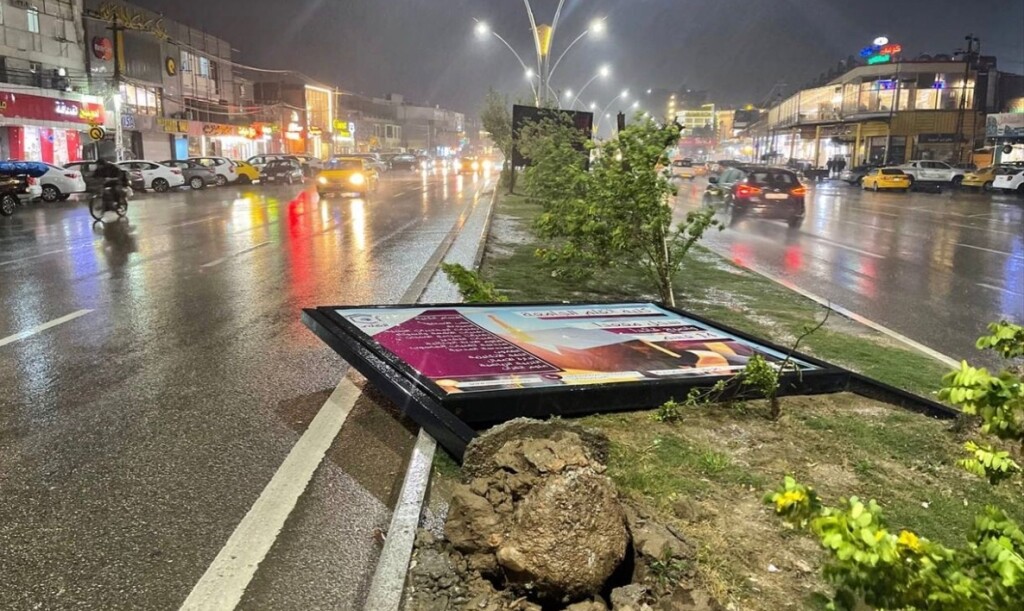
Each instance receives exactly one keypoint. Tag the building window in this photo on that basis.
(204, 67)
(187, 61)
(141, 100)
(33, 21)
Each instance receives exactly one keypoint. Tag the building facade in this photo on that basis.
(45, 106)
(885, 113)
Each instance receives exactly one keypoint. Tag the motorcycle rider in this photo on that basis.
(115, 179)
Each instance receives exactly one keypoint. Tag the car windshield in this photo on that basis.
(892, 172)
(344, 164)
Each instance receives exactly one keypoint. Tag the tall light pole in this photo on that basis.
(624, 94)
(542, 38)
(602, 72)
(482, 30)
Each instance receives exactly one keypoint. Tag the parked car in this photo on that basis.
(155, 176)
(762, 191)
(247, 173)
(93, 184)
(857, 173)
(886, 178)
(985, 177)
(405, 161)
(10, 188)
(932, 171)
(223, 167)
(347, 175)
(1011, 181)
(196, 176)
(374, 161)
(683, 168)
(280, 171)
(426, 163)
(58, 184)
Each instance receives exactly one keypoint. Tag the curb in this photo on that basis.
(387, 587)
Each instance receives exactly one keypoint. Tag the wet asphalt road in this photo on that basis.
(135, 436)
(935, 267)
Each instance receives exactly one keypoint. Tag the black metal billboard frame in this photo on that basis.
(450, 417)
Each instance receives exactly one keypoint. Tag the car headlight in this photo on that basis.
(457, 165)
(357, 179)
(475, 166)
(487, 165)
(322, 180)
(423, 164)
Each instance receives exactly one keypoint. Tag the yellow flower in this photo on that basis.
(909, 540)
(788, 498)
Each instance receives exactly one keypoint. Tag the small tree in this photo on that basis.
(997, 399)
(472, 287)
(497, 121)
(617, 214)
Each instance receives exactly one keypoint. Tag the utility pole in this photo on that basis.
(973, 48)
(115, 29)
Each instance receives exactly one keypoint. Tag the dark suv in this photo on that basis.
(766, 192)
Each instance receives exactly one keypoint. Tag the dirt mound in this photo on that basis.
(538, 526)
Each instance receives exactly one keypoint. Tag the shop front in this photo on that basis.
(51, 130)
(1004, 132)
(198, 139)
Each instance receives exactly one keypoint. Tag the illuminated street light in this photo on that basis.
(598, 26)
(636, 104)
(648, 92)
(602, 72)
(593, 106)
(529, 73)
(568, 93)
(482, 29)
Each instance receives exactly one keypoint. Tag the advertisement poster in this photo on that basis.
(475, 349)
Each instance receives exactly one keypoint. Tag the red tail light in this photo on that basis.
(71, 175)
(32, 180)
(746, 191)
(799, 191)
(176, 171)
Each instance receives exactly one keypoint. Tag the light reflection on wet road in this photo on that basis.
(933, 267)
(135, 437)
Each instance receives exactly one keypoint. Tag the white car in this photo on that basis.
(155, 176)
(1013, 181)
(223, 167)
(932, 171)
(683, 168)
(59, 183)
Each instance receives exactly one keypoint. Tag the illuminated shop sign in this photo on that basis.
(881, 51)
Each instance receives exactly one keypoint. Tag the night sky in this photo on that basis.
(736, 49)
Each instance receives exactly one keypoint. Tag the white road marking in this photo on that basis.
(222, 585)
(194, 222)
(42, 254)
(998, 288)
(998, 252)
(400, 194)
(851, 248)
(10, 339)
(241, 252)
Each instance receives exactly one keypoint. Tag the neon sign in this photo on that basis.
(881, 51)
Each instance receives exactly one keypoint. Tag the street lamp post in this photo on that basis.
(602, 72)
(624, 94)
(542, 37)
(482, 29)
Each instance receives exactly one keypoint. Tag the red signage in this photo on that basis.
(103, 48)
(23, 106)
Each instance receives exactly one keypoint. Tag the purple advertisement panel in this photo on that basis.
(476, 349)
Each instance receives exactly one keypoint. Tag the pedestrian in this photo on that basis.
(840, 165)
(830, 164)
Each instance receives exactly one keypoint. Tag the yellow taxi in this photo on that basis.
(982, 178)
(346, 175)
(247, 173)
(886, 178)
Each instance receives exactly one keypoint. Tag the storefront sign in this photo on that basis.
(171, 66)
(216, 129)
(103, 48)
(315, 132)
(97, 133)
(344, 129)
(247, 132)
(936, 138)
(24, 106)
(1005, 125)
(173, 126)
(127, 120)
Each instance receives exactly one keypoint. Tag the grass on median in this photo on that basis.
(707, 473)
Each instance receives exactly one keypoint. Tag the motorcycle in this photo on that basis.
(108, 200)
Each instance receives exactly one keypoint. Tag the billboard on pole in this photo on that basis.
(523, 115)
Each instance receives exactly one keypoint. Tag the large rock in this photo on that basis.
(567, 536)
(472, 525)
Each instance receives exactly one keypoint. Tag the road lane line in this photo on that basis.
(232, 255)
(998, 289)
(194, 222)
(998, 252)
(222, 585)
(42, 254)
(10, 339)
(841, 245)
